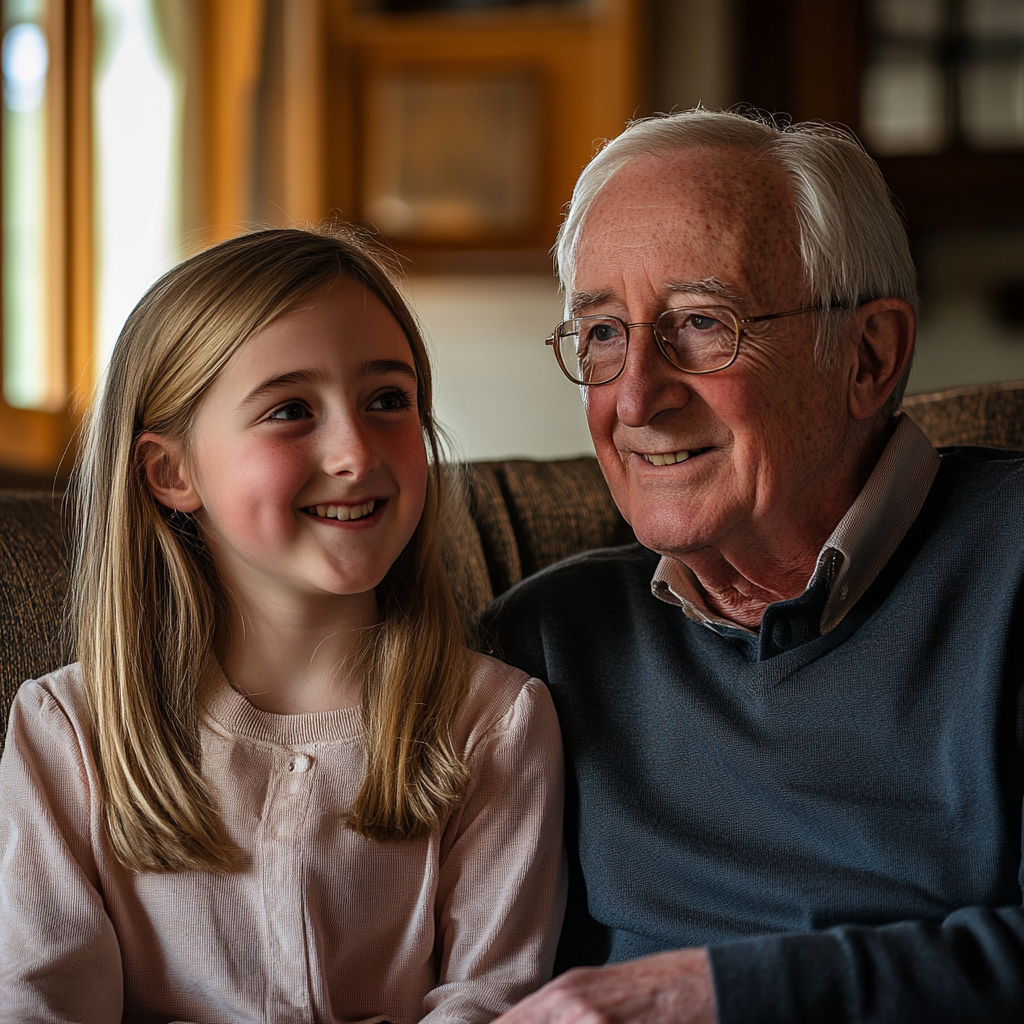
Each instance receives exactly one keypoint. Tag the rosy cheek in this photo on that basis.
(599, 405)
(251, 484)
(411, 457)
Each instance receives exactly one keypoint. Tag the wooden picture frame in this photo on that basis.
(454, 154)
(582, 62)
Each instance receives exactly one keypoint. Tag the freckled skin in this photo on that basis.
(255, 475)
(787, 454)
(318, 408)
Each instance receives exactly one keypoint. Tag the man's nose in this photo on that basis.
(649, 384)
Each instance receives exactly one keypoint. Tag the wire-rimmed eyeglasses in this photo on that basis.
(591, 350)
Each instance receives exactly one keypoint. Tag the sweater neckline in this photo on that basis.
(229, 709)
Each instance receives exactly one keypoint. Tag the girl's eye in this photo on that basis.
(291, 411)
(390, 401)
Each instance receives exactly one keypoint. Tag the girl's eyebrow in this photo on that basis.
(375, 367)
(282, 380)
(378, 367)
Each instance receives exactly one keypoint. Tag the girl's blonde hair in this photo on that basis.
(145, 600)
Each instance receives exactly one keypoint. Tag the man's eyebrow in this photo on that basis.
(581, 302)
(707, 286)
(282, 380)
(380, 367)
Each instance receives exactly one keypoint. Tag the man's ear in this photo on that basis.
(884, 333)
(167, 476)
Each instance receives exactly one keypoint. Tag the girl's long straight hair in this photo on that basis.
(145, 601)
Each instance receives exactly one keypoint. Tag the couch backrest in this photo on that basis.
(984, 414)
(33, 581)
(519, 516)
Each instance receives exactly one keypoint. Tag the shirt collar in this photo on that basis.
(860, 545)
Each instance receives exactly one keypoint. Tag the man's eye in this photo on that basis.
(390, 401)
(702, 323)
(291, 411)
(602, 332)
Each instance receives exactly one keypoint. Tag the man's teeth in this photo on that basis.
(668, 458)
(345, 512)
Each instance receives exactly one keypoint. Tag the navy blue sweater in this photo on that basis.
(838, 818)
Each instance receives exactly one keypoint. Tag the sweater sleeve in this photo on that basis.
(501, 891)
(59, 957)
(968, 968)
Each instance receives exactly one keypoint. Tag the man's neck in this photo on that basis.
(740, 592)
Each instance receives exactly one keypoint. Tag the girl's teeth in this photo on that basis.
(345, 512)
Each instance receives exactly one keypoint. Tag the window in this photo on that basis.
(46, 287)
(942, 74)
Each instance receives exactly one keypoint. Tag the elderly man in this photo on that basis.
(793, 713)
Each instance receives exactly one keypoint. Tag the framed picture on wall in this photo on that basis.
(454, 154)
(465, 129)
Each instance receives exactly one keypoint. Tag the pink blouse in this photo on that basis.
(319, 924)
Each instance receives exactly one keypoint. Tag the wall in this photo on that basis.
(960, 341)
(500, 392)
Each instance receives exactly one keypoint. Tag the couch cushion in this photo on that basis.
(983, 414)
(531, 514)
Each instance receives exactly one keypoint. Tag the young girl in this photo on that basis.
(276, 787)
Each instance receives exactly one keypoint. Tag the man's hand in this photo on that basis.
(669, 988)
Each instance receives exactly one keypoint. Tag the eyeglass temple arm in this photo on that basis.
(776, 316)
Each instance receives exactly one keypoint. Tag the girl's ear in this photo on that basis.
(167, 476)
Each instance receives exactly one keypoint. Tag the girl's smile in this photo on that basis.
(344, 513)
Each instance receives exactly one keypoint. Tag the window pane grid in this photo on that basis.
(944, 72)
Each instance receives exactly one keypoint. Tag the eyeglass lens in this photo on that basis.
(592, 349)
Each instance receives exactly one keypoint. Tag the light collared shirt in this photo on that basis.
(860, 545)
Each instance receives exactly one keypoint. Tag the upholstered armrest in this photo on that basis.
(991, 415)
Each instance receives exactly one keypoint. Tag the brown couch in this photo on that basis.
(519, 516)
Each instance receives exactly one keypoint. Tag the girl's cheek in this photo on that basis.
(414, 463)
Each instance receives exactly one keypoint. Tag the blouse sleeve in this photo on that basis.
(502, 881)
(59, 957)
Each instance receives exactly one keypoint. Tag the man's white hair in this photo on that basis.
(853, 244)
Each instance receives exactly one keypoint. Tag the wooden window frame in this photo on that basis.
(33, 441)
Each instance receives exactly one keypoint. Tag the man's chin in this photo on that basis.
(675, 539)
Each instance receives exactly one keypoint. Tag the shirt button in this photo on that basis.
(299, 763)
(844, 592)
